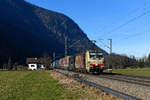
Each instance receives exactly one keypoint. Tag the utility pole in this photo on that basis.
(110, 46)
(66, 53)
(54, 56)
(110, 66)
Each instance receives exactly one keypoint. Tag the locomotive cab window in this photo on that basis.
(99, 55)
(96, 55)
(92, 55)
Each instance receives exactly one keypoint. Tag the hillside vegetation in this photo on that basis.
(29, 31)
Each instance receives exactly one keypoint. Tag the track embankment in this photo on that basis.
(109, 86)
(135, 86)
(85, 92)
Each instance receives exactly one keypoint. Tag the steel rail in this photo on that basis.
(126, 80)
(133, 76)
(134, 79)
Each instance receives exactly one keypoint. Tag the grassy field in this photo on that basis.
(31, 85)
(137, 71)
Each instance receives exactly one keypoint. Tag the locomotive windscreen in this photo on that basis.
(96, 55)
(99, 55)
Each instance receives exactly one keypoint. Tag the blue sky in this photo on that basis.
(100, 20)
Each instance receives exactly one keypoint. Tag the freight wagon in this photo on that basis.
(64, 62)
(80, 64)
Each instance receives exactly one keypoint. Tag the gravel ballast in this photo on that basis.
(138, 91)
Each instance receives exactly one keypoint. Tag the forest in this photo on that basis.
(117, 61)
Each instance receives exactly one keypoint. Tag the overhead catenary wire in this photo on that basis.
(130, 13)
(135, 35)
(77, 42)
(122, 25)
(57, 56)
(74, 43)
(104, 44)
(139, 8)
(68, 47)
(128, 22)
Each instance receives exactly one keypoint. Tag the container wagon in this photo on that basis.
(80, 63)
(64, 62)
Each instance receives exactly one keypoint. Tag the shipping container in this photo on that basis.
(64, 62)
(80, 61)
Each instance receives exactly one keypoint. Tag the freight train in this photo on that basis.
(90, 61)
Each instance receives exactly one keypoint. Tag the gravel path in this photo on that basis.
(138, 91)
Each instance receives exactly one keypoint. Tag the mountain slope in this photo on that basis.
(29, 31)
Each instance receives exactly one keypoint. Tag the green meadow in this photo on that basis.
(31, 85)
(135, 71)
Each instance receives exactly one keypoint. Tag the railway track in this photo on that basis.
(133, 76)
(144, 81)
(105, 89)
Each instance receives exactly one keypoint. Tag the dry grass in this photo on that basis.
(84, 92)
